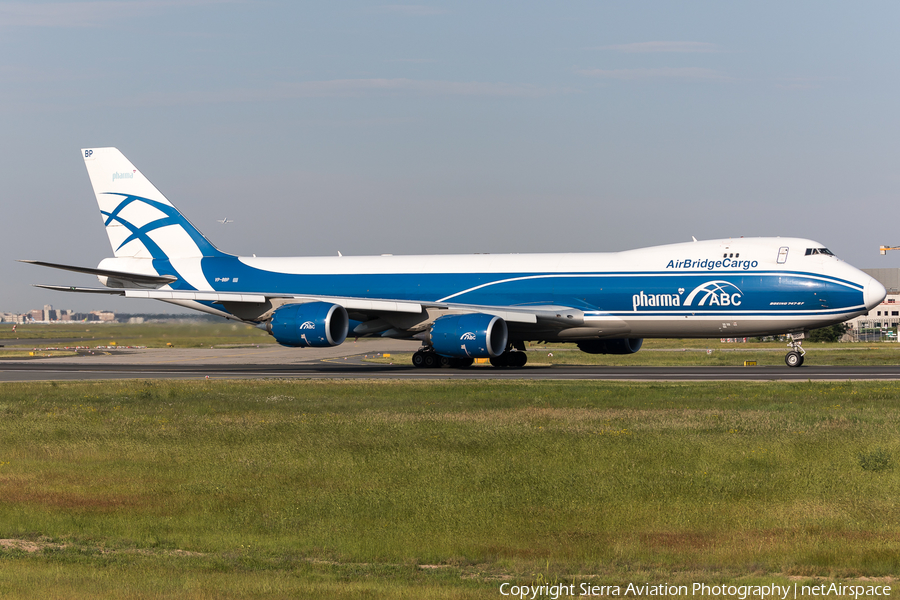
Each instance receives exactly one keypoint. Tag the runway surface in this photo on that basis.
(347, 362)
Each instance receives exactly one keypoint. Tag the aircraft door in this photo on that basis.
(782, 255)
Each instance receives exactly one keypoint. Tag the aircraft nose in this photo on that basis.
(873, 293)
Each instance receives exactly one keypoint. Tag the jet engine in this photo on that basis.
(474, 335)
(311, 324)
(619, 346)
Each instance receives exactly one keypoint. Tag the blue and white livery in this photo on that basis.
(464, 307)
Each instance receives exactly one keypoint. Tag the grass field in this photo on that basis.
(433, 490)
(37, 353)
(153, 335)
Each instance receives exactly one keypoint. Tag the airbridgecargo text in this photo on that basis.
(740, 592)
(710, 264)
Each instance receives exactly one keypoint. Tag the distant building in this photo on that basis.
(48, 314)
(889, 278)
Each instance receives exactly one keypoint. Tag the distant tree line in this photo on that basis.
(832, 333)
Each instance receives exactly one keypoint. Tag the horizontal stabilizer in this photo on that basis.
(69, 288)
(136, 277)
(161, 294)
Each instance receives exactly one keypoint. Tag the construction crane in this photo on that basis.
(884, 249)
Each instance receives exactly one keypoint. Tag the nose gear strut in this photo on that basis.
(794, 358)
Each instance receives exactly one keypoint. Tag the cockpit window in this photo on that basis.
(825, 251)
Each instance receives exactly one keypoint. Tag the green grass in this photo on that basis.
(35, 354)
(153, 335)
(439, 490)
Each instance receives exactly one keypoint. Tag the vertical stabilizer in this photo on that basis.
(139, 220)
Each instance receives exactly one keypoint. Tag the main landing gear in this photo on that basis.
(510, 359)
(794, 358)
(427, 358)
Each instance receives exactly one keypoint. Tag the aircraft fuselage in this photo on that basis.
(736, 287)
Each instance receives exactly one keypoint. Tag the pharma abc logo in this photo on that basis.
(715, 293)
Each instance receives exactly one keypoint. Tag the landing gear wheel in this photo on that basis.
(444, 361)
(793, 359)
(418, 360)
(510, 359)
(430, 360)
(461, 363)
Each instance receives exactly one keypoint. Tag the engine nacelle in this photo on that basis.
(312, 324)
(475, 335)
(619, 346)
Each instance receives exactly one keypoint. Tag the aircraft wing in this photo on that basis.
(558, 317)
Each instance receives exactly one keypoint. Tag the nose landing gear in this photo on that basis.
(794, 358)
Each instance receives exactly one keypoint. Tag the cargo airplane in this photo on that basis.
(463, 307)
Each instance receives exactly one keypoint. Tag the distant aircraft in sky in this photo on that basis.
(225, 220)
(463, 307)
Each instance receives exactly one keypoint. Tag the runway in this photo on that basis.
(347, 362)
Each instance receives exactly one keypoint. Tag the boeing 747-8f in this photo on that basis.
(464, 307)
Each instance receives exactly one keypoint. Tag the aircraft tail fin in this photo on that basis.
(139, 220)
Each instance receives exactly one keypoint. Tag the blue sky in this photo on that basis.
(449, 127)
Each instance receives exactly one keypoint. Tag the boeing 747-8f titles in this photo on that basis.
(464, 307)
